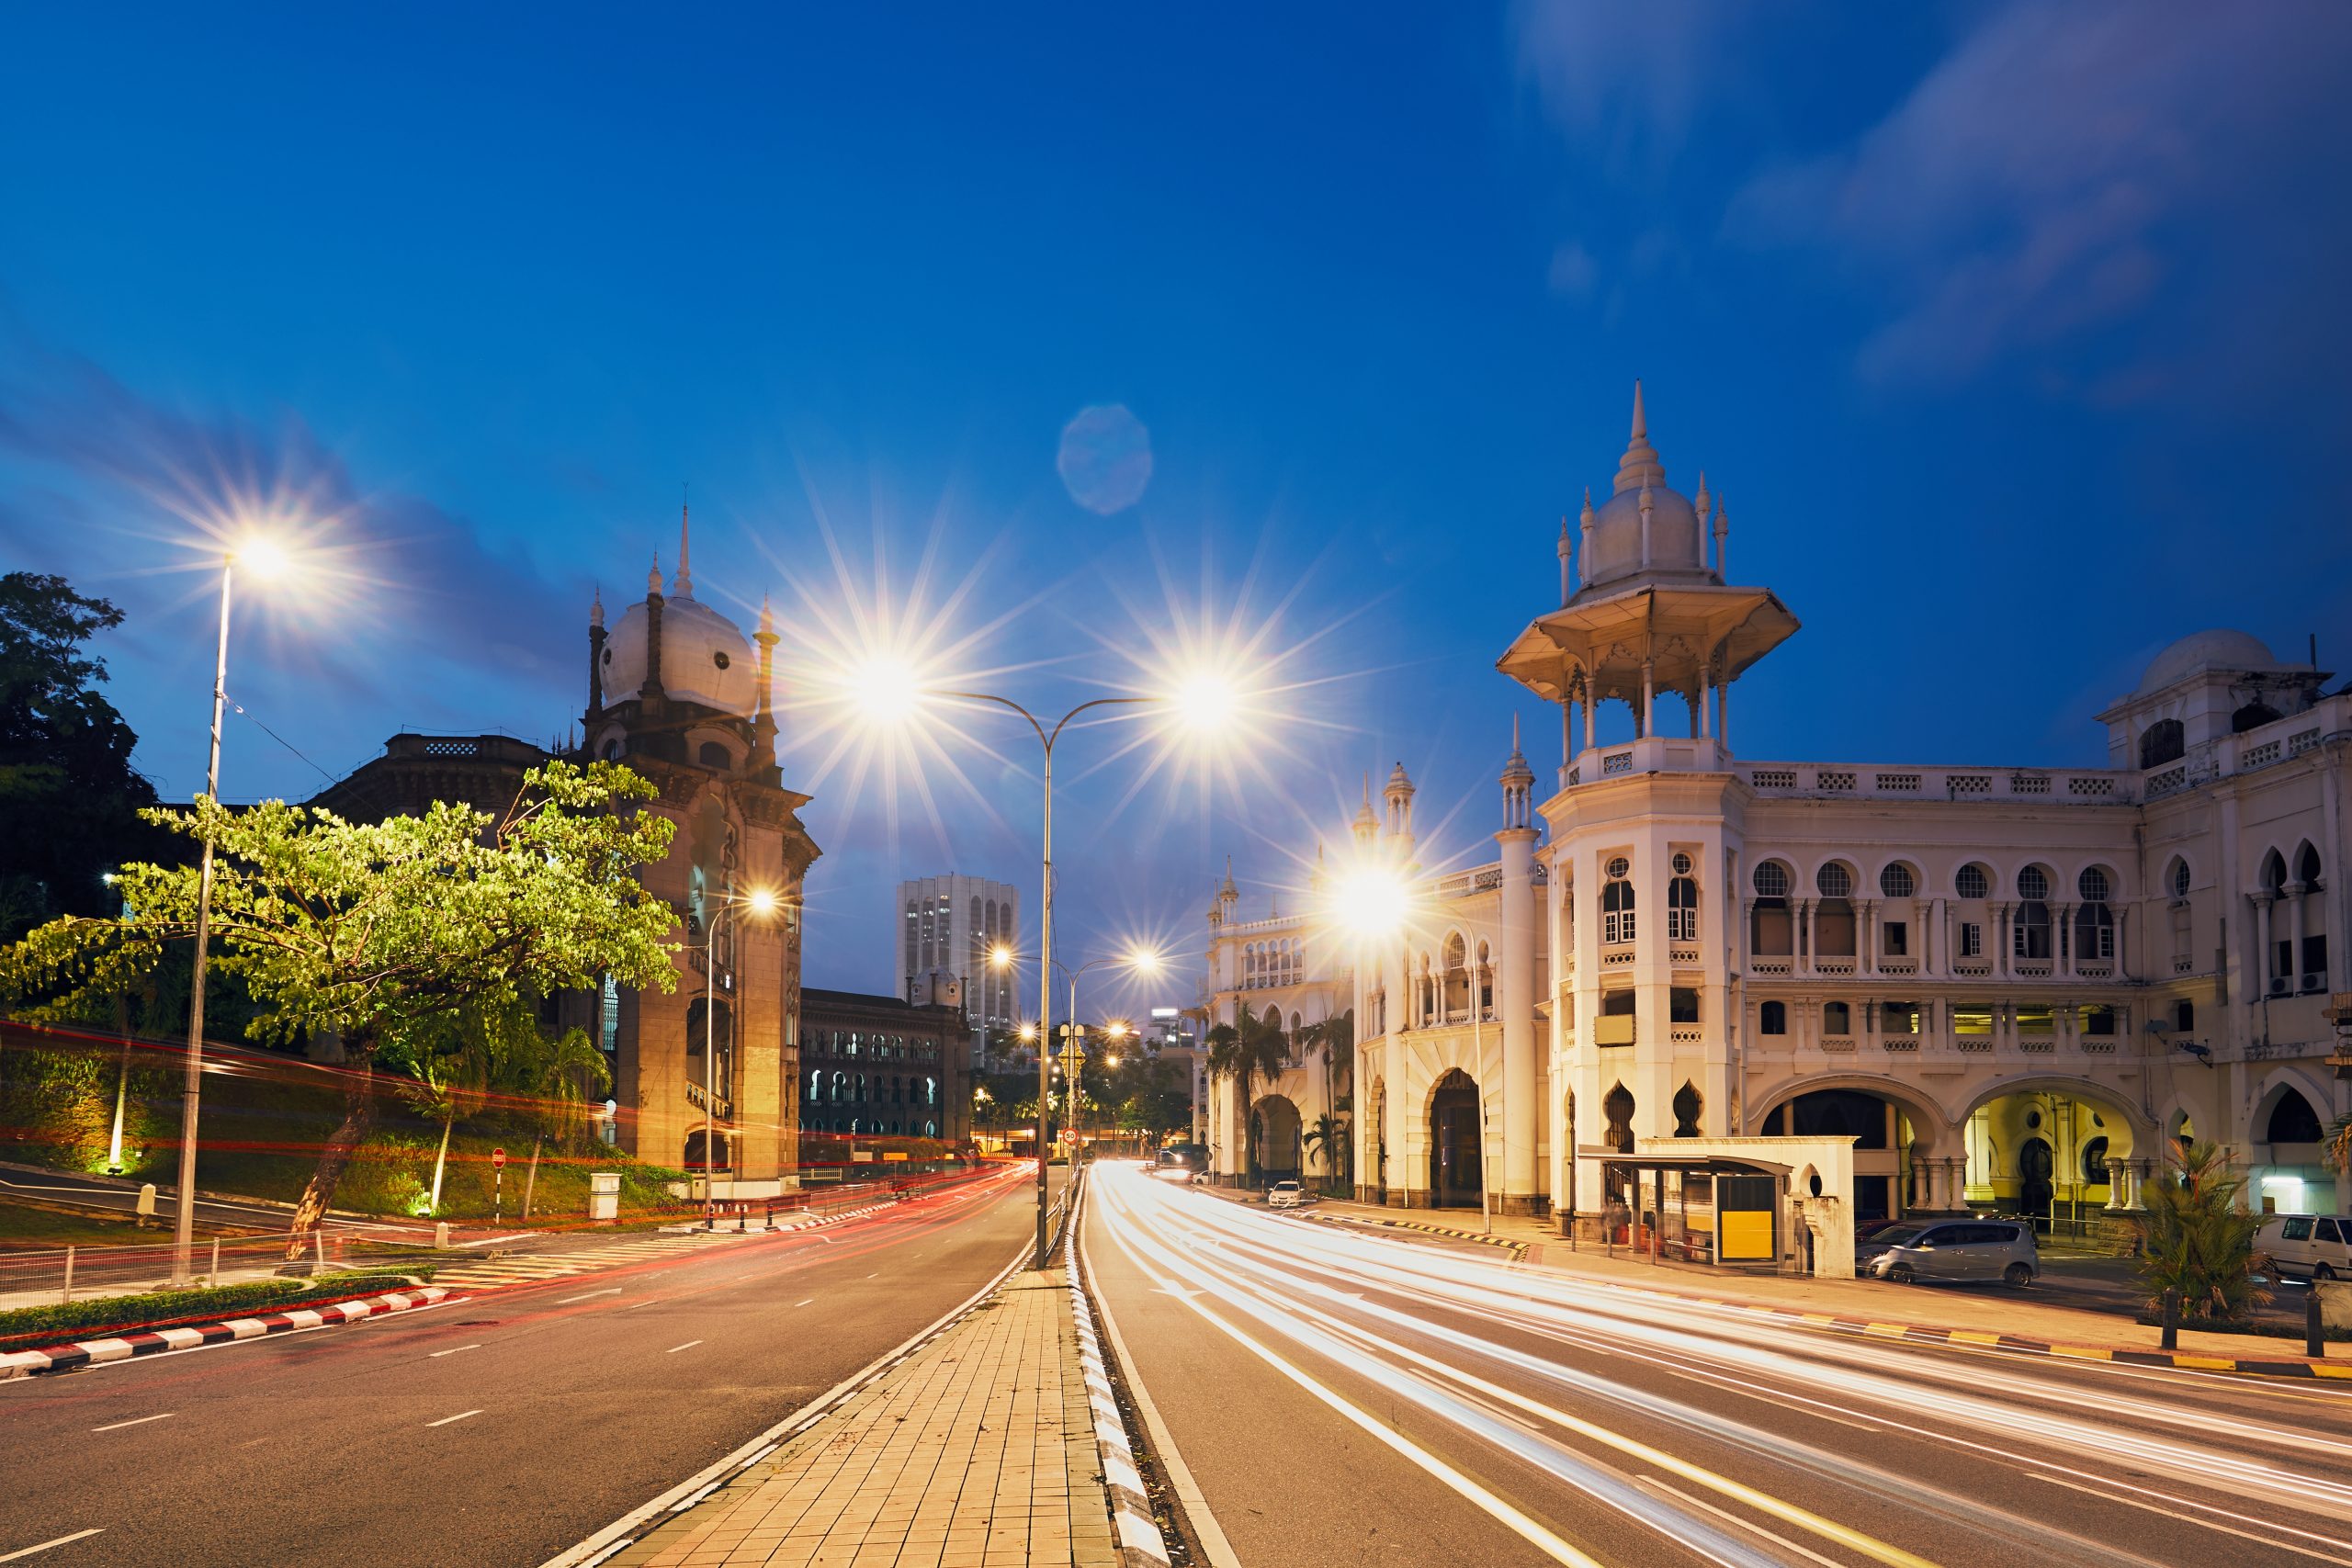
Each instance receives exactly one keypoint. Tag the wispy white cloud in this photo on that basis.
(2045, 178)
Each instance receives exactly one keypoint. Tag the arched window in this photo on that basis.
(2163, 742)
(2179, 881)
(1897, 880)
(1772, 1018)
(1772, 932)
(613, 750)
(1687, 1106)
(2030, 928)
(1972, 881)
(1617, 903)
(1682, 903)
(2094, 920)
(2314, 958)
(2293, 1120)
(1618, 1107)
(2254, 716)
(1836, 1018)
(2095, 1163)
(1833, 918)
(714, 755)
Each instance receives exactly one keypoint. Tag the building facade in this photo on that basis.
(677, 693)
(949, 926)
(879, 1068)
(2010, 986)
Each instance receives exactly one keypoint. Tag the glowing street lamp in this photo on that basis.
(265, 560)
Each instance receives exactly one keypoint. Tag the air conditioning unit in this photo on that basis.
(2314, 982)
(2279, 986)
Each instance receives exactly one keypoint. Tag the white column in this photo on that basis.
(2061, 946)
(1804, 936)
(1591, 701)
(1706, 701)
(1650, 697)
(2265, 923)
(1867, 960)
(1515, 1004)
(2296, 891)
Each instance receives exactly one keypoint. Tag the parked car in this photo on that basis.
(1282, 1195)
(1953, 1249)
(2308, 1246)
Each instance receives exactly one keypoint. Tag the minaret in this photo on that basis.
(1367, 825)
(1515, 987)
(763, 722)
(1645, 518)
(683, 587)
(1700, 504)
(597, 658)
(1399, 795)
(1567, 565)
(1723, 535)
(650, 695)
(1584, 552)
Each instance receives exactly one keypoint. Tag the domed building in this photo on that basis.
(1984, 986)
(677, 693)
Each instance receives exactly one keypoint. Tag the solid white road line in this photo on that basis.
(687, 1346)
(810, 1302)
(1746, 1527)
(44, 1546)
(2192, 1519)
(436, 1355)
(566, 1301)
(447, 1419)
(118, 1426)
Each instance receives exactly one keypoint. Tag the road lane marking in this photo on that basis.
(436, 1355)
(1745, 1526)
(687, 1346)
(447, 1419)
(44, 1546)
(2193, 1519)
(142, 1421)
(810, 1302)
(566, 1301)
(873, 1275)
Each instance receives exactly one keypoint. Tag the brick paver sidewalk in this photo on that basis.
(976, 1451)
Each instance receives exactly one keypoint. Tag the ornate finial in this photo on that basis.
(1367, 786)
(1586, 516)
(596, 608)
(653, 578)
(1640, 464)
(767, 617)
(1699, 500)
(685, 579)
(1514, 735)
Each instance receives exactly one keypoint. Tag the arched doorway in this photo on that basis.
(1884, 1131)
(2036, 1165)
(2041, 1150)
(1456, 1165)
(1275, 1135)
(694, 1157)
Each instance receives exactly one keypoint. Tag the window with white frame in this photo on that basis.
(1617, 902)
(1682, 903)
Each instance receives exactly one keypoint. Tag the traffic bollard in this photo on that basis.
(2172, 1319)
(2314, 1331)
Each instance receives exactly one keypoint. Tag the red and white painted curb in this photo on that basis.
(149, 1342)
(1140, 1543)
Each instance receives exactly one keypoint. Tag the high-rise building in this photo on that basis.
(948, 924)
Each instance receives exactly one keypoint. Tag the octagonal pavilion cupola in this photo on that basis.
(1645, 608)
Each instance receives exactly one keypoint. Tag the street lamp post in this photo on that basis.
(264, 561)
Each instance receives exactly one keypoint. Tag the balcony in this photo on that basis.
(2037, 1045)
(1864, 781)
(1685, 1034)
(1838, 1043)
(1899, 1042)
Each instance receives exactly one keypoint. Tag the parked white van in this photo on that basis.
(2308, 1246)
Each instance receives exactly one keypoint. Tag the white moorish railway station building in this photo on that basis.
(2012, 986)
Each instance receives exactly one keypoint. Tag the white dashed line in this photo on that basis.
(810, 1302)
(687, 1346)
(447, 1419)
(436, 1355)
(142, 1421)
(566, 1301)
(44, 1546)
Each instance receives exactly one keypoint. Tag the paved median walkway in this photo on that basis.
(975, 1451)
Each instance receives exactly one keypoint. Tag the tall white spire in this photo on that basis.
(683, 585)
(1640, 465)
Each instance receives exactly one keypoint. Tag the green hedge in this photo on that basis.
(30, 1329)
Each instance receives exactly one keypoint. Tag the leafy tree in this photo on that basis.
(368, 930)
(2196, 1239)
(1327, 1138)
(481, 1054)
(1243, 1052)
(70, 798)
(1336, 1037)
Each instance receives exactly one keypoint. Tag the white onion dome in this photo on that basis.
(1677, 541)
(2219, 649)
(706, 658)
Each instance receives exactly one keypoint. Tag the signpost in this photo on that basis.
(498, 1186)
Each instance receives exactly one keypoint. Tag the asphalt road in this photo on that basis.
(499, 1429)
(1353, 1400)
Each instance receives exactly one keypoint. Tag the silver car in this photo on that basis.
(1953, 1250)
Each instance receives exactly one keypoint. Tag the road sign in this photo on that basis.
(498, 1159)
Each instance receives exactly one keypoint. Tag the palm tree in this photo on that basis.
(1337, 1036)
(1245, 1050)
(1327, 1140)
(2196, 1240)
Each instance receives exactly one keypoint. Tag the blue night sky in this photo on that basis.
(2014, 336)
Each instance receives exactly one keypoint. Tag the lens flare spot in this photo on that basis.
(1105, 458)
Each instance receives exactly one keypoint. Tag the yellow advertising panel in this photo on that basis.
(1747, 1234)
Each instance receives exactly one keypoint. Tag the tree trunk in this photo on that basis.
(441, 1160)
(358, 1118)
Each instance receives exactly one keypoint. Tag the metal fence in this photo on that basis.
(64, 1274)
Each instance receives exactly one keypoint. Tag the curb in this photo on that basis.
(1918, 1333)
(1140, 1542)
(149, 1342)
(1517, 1249)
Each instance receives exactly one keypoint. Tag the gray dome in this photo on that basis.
(706, 658)
(1675, 538)
(2219, 648)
